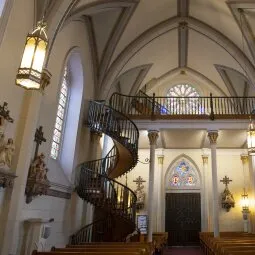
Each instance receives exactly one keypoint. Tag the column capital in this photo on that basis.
(153, 136)
(213, 135)
(205, 159)
(160, 159)
(244, 158)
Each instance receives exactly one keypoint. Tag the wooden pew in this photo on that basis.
(227, 243)
(140, 250)
(84, 253)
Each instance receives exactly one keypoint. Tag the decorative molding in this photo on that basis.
(244, 158)
(213, 135)
(58, 193)
(205, 159)
(153, 136)
(161, 159)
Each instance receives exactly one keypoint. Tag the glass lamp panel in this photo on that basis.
(28, 53)
(27, 83)
(39, 56)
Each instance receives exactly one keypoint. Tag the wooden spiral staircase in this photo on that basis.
(95, 179)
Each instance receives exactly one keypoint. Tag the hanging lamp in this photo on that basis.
(31, 74)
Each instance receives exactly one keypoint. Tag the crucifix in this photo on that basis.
(226, 180)
(38, 139)
(139, 181)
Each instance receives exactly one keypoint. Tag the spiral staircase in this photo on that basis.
(114, 202)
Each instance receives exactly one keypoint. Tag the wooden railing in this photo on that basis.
(93, 183)
(144, 106)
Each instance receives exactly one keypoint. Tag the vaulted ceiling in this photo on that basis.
(157, 43)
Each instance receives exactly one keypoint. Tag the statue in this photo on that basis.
(38, 169)
(37, 181)
(6, 153)
(140, 194)
(227, 199)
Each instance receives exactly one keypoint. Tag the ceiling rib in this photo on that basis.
(183, 32)
(223, 74)
(237, 8)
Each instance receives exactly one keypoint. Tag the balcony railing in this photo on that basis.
(144, 107)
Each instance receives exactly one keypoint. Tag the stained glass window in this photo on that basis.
(59, 123)
(183, 99)
(184, 174)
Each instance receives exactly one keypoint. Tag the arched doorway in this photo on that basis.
(183, 202)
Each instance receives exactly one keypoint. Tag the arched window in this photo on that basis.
(183, 175)
(183, 99)
(61, 114)
(2, 3)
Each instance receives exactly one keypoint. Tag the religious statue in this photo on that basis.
(7, 149)
(37, 182)
(4, 117)
(227, 199)
(6, 153)
(139, 193)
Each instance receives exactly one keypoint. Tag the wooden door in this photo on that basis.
(183, 218)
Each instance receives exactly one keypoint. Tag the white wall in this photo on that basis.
(229, 163)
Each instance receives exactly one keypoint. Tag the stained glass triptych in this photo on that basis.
(58, 129)
(183, 175)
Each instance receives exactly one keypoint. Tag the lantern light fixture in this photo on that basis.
(31, 74)
(251, 138)
(245, 201)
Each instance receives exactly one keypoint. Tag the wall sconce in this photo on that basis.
(31, 74)
(251, 138)
(245, 202)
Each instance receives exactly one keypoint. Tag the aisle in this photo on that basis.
(183, 251)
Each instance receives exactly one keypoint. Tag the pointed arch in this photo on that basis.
(190, 170)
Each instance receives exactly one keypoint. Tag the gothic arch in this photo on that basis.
(170, 171)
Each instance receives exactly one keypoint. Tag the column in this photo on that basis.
(206, 225)
(95, 143)
(159, 197)
(252, 191)
(153, 136)
(213, 135)
(246, 213)
(31, 108)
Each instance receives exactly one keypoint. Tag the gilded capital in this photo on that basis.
(213, 135)
(153, 136)
(205, 159)
(160, 159)
(244, 158)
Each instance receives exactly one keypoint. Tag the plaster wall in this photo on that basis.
(67, 214)
(228, 163)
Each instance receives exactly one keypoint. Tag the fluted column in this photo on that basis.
(159, 197)
(252, 190)
(153, 136)
(206, 225)
(213, 135)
